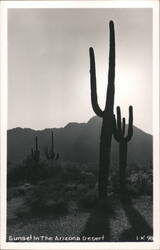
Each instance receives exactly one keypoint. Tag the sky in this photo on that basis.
(48, 65)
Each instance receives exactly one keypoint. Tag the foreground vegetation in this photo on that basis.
(67, 193)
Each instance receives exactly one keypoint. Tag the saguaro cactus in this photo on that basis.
(106, 115)
(35, 153)
(50, 154)
(119, 135)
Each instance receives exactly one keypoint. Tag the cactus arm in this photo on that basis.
(116, 137)
(123, 126)
(119, 129)
(119, 121)
(94, 101)
(111, 71)
(130, 124)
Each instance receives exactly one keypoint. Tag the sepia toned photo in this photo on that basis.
(80, 127)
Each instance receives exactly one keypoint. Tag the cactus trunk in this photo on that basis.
(122, 165)
(105, 150)
(35, 154)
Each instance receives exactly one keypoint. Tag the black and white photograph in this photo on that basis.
(80, 126)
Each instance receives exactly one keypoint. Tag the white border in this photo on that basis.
(3, 125)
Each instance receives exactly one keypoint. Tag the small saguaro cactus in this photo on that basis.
(119, 135)
(35, 154)
(106, 114)
(50, 154)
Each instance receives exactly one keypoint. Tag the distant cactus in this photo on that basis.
(119, 135)
(32, 153)
(50, 154)
(106, 115)
(35, 154)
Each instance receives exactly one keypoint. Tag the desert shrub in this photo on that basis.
(24, 189)
(53, 187)
(89, 199)
(22, 211)
(32, 172)
(88, 177)
(71, 174)
(11, 193)
(36, 171)
(15, 176)
(18, 191)
(59, 206)
(137, 182)
(81, 188)
(36, 199)
(71, 191)
(54, 171)
(93, 168)
(47, 197)
(141, 183)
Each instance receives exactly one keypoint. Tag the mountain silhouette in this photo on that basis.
(77, 142)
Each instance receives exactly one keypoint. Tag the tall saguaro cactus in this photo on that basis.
(119, 135)
(106, 114)
(35, 153)
(50, 154)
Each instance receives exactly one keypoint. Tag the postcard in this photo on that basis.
(80, 125)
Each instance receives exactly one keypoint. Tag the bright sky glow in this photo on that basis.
(49, 83)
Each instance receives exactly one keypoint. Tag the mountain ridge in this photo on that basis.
(76, 142)
(68, 124)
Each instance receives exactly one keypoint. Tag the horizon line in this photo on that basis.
(85, 122)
